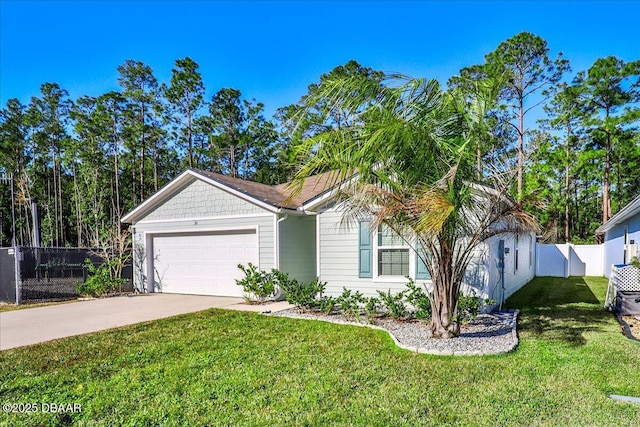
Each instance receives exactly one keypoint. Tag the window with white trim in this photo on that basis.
(393, 253)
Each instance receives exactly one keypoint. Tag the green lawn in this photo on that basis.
(12, 307)
(231, 368)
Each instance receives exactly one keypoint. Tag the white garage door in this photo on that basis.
(203, 264)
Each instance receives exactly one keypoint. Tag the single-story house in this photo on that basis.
(190, 236)
(621, 236)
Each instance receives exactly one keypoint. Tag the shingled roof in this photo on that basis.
(280, 196)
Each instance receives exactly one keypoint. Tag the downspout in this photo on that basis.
(277, 240)
(279, 294)
(501, 253)
(283, 218)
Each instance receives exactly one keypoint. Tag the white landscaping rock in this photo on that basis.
(487, 334)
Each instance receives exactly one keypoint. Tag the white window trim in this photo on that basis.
(392, 279)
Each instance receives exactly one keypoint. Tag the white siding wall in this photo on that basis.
(478, 278)
(298, 247)
(339, 263)
(514, 278)
(483, 273)
(614, 242)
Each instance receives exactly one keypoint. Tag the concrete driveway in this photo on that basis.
(34, 325)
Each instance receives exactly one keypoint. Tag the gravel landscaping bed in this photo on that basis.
(630, 326)
(487, 334)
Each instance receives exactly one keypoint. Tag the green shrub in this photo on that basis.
(417, 297)
(394, 304)
(468, 308)
(258, 284)
(349, 303)
(326, 304)
(302, 295)
(371, 308)
(99, 280)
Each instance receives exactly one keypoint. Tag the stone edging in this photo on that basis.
(419, 350)
(625, 327)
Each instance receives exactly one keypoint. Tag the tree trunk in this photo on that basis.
(566, 186)
(142, 151)
(55, 236)
(155, 164)
(63, 239)
(520, 147)
(190, 138)
(116, 171)
(76, 191)
(232, 161)
(444, 300)
(606, 203)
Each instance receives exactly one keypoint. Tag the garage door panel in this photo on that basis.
(204, 264)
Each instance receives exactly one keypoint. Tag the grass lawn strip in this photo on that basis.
(220, 367)
(12, 307)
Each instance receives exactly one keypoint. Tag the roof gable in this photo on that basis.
(273, 198)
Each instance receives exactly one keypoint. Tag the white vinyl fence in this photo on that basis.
(569, 260)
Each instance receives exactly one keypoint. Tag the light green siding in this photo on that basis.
(200, 199)
(298, 247)
(339, 252)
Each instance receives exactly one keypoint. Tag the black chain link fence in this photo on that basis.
(47, 274)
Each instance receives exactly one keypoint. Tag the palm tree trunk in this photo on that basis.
(444, 300)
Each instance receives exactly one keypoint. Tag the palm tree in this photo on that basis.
(407, 161)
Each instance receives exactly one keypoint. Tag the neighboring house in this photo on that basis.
(194, 232)
(621, 236)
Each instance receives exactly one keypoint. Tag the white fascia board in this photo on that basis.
(168, 189)
(625, 213)
(319, 201)
(327, 195)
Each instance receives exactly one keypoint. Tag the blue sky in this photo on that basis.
(272, 50)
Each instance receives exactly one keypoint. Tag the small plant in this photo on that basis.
(350, 304)
(468, 308)
(488, 301)
(394, 304)
(99, 280)
(302, 295)
(371, 308)
(326, 304)
(417, 297)
(258, 284)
